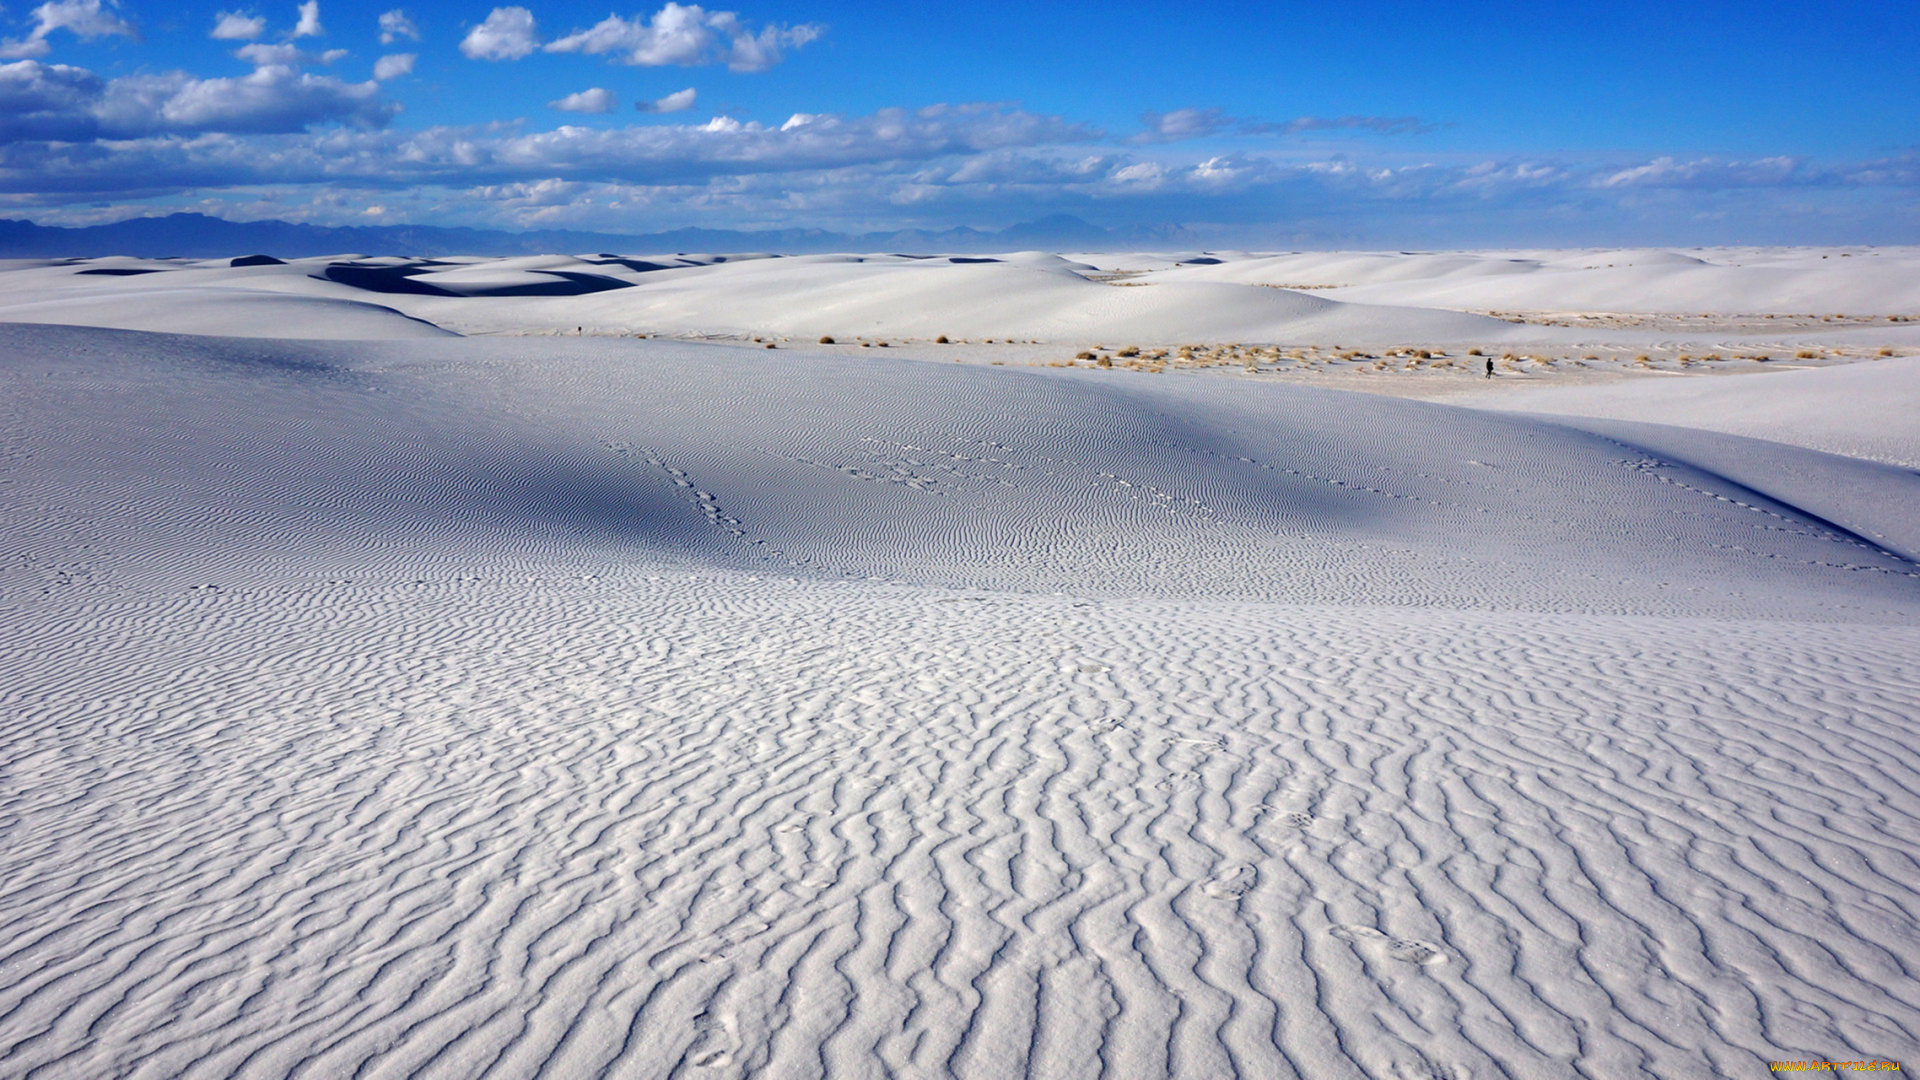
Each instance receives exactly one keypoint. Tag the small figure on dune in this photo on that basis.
(1489, 367)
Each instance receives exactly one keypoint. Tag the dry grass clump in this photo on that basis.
(1105, 361)
(825, 340)
(941, 340)
(1131, 350)
(1643, 360)
(1085, 355)
(1806, 354)
(1761, 359)
(1884, 351)
(1475, 352)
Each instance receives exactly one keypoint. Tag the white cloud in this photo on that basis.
(595, 100)
(46, 101)
(687, 35)
(58, 103)
(309, 24)
(272, 100)
(677, 101)
(393, 66)
(508, 34)
(261, 54)
(85, 19)
(22, 48)
(395, 25)
(234, 26)
(1704, 172)
(264, 54)
(1180, 124)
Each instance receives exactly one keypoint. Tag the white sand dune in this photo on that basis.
(1371, 299)
(220, 311)
(556, 707)
(1746, 280)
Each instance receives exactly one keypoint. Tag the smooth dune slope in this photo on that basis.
(945, 475)
(557, 708)
(1868, 411)
(1795, 280)
(225, 312)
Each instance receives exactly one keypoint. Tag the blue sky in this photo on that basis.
(1370, 123)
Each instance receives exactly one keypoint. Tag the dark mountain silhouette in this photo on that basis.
(199, 236)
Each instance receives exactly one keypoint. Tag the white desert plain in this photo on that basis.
(1054, 665)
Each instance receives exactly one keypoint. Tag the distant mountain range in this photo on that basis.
(200, 236)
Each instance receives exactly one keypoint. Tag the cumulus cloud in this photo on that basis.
(508, 34)
(595, 100)
(85, 19)
(649, 154)
(46, 101)
(393, 66)
(309, 24)
(263, 54)
(271, 100)
(675, 102)
(235, 26)
(395, 25)
(1180, 124)
(58, 103)
(686, 35)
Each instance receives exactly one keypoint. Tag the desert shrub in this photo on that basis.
(1475, 352)
(825, 340)
(1131, 350)
(1643, 359)
(1084, 355)
(1806, 354)
(1105, 361)
(941, 340)
(1884, 351)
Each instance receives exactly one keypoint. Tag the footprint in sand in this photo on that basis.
(1405, 950)
(1231, 884)
(713, 1044)
(1083, 666)
(1297, 819)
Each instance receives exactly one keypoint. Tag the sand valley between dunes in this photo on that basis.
(1193, 666)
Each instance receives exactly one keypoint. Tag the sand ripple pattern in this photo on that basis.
(712, 827)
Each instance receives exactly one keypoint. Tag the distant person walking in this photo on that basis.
(1489, 367)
